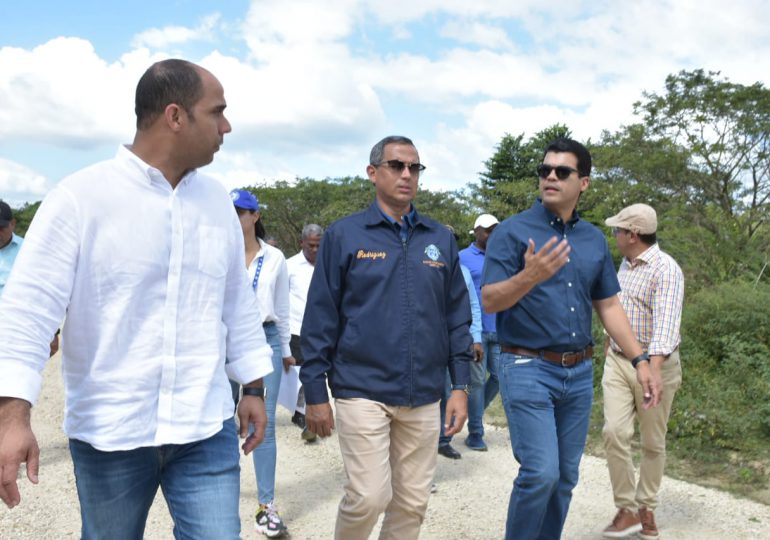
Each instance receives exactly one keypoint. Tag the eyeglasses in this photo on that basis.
(562, 171)
(398, 166)
(617, 230)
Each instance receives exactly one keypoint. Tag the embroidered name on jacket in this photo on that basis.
(433, 253)
(374, 255)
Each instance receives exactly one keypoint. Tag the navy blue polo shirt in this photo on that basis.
(556, 314)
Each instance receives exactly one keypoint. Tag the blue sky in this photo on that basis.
(311, 85)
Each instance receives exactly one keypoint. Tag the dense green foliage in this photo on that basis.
(726, 401)
(287, 208)
(23, 217)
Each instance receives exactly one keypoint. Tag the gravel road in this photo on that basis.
(470, 503)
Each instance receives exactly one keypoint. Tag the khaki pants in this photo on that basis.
(389, 455)
(623, 399)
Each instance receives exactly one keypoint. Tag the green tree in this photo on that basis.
(700, 156)
(24, 215)
(509, 183)
(289, 207)
(726, 128)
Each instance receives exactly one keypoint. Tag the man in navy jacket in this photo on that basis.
(387, 313)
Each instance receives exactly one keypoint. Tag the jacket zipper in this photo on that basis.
(409, 314)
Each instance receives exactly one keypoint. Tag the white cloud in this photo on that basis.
(237, 169)
(159, 38)
(477, 33)
(20, 184)
(63, 93)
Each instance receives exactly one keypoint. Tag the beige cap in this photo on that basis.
(639, 218)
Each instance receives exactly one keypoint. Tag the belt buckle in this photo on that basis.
(566, 363)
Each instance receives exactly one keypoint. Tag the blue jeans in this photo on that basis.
(200, 481)
(265, 455)
(483, 390)
(444, 440)
(548, 408)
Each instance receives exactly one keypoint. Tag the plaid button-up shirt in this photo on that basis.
(652, 290)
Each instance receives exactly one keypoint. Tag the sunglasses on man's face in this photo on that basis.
(562, 171)
(397, 165)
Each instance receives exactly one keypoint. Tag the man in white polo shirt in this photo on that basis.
(301, 268)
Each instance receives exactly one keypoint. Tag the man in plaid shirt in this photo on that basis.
(652, 289)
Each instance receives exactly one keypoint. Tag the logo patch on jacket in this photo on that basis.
(433, 253)
(374, 255)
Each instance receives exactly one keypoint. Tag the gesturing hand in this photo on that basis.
(546, 262)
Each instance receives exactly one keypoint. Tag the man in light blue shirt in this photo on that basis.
(444, 447)
(483, 389)
(10, 242)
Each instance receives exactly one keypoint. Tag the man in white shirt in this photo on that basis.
(145, 256)
(301, 268)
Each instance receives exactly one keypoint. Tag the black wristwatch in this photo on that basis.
(464, 387)
(258, 391)
(644, 357)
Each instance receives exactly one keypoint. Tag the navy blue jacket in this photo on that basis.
(384, 318)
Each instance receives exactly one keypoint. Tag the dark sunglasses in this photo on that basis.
(397, 165)
(562, 171)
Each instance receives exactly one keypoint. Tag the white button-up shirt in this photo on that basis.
(300, 274)
(273, 291)
(156, 296)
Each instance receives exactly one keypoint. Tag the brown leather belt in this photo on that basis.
(565, 359)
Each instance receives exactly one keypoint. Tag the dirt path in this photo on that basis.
(471, 501)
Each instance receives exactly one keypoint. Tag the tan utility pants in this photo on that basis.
(389, 454)
(623, 397)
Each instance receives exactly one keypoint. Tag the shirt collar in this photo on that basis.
(150, 174)
(15, 240)
(475, 249)
(375, 215)
(551, 217)
(646, 256)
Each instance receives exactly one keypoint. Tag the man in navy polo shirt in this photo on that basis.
(387, 313)
(545, 269)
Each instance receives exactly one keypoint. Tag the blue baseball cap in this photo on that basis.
(244, 199)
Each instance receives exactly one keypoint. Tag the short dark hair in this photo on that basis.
(375, 156)
(648, 239)
(166, 82)
(562, 144)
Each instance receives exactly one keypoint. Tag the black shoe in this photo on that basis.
(447, 451)
(298, 420)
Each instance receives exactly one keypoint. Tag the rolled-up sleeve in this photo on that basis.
(667, 311)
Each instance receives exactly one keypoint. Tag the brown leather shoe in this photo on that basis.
(649, 529)
(625, 524)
